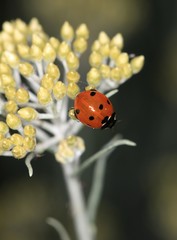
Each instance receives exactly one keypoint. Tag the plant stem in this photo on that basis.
(80, 218)
(98, 181)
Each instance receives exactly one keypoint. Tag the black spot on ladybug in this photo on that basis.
(108, 102)
(105, 120)
(92, 93)
(77, 111)
(101, 106)
(91, 118)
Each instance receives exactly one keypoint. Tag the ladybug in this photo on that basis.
(94, 109)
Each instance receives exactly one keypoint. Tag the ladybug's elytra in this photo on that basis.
(94, 109)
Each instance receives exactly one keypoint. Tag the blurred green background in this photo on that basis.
(140, 194)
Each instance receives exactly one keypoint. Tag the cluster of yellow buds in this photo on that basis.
(110, 64)
(70, 149)
(19, 144)
(38, 75)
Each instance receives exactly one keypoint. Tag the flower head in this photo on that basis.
(38, 76)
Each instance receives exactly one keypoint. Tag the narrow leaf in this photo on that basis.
(100, 153)
(58, 227)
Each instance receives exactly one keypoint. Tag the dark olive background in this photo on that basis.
(139, 200)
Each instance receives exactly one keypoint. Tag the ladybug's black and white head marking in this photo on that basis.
(109, 122)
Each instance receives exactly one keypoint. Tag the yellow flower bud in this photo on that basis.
(89, 87)
(18, 36)
(64, 153)
(80, 45)
(126, 71)
(72, 61)
(29, 130)
(1, 86)
(1, 136)
(59, 90)
(28, 113)
(93, 77)
(72, 76)
(3, 128)
(11, 59)
(10, 106)
(53, 71)
(23, 50)
(7, 80)
(137, 63)
(38, 40)
(71, 114)
(29, 143)
(114, 52)
(103, 38)
(95, 59)
(6, 144)
(5, 69)
(8, 27)
(117, 41)
(67, 32)
(47, 82)
(16, 139)
(104, 50)
(10, 93)
(44, 96)
(116, 74)
(96, 46)
(63, 50)
(26, 69)
(6, 37)
(54, 43)
(105, 71)
(34, 25)
(9, 47)
(122, 59)
(21, 26)
(1, 149)
(13, 121)
(18, 152)
(72, 90)
(82, 31)
(36, 53)
(49, 53)
(22, 96)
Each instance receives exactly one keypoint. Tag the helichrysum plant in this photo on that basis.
(39, 75)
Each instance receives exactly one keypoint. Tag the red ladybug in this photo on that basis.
(94, 109)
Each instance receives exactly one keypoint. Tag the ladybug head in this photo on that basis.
(109, 122)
